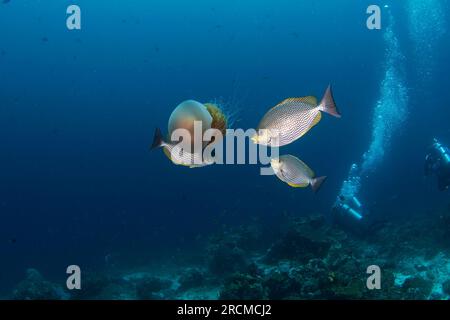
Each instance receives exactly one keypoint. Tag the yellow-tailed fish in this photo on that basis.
(177, 154)
(295, 172)
(292, 118)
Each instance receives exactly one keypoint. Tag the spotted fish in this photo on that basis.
(295, 172)
(292, 118)
(177, 154)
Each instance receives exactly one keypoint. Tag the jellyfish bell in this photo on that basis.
(186, 113)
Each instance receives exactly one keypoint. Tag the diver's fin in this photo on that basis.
(327, 104)
(316, 183)
(157, 139)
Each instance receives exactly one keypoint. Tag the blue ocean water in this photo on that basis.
(78, 108)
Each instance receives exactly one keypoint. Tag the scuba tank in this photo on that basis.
(443, 151)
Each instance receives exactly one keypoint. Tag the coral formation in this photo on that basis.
(92, 286)
(307, 259)
(35, 287)
(446, 287)
(226, 254)
(243, 286)
(191, 278)
(305, 238)
(152, 288)
(416, 288)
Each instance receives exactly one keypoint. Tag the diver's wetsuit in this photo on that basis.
(435, 163)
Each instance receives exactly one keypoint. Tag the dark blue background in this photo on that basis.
(78, 110)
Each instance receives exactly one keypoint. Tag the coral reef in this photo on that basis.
(228, 251)
(446, 287)
(92, 286)
(416, 288)
(152, 288)
(35, 287)
(308, 258)
(243, 286)
(305, 238)
(192, 278)
(313, 260)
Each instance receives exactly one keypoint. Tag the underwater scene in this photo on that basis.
(212, 149)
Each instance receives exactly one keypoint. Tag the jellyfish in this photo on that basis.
(186, 113)
(184, 116)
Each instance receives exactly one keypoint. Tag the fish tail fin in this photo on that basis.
(328, 105)
(316, 183)
(157, 139)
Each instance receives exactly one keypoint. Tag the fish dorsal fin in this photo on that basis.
(300, 185)
(311, 100)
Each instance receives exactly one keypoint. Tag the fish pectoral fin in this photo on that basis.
(301, 185)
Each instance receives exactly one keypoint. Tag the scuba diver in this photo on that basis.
(347, 213)
(348, 210)
(352, 216)
(437, 162)
(348, 206)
